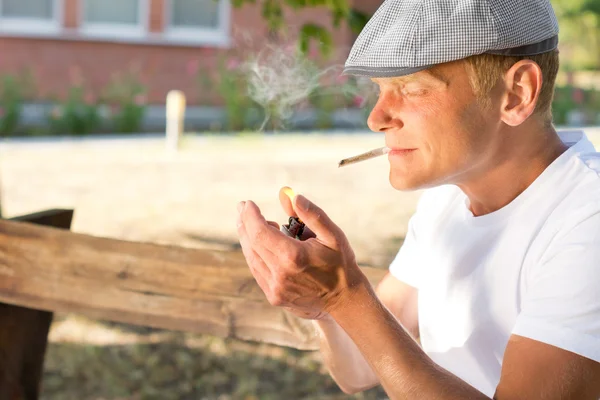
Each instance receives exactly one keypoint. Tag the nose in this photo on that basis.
(382, 116)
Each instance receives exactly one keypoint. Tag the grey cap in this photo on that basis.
(407, 36)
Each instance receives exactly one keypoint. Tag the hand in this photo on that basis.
(308, 277)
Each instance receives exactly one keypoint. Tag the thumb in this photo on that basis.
(317, 221)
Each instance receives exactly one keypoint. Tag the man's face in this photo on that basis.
(437, 130)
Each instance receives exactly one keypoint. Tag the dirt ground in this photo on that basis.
(132, 189)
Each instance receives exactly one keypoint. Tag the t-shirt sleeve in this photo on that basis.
(406, 265)
(561, 305)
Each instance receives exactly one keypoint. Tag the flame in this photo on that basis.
(289, 192)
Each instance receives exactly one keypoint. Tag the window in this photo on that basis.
(114, 18)
(202, 21)
(30, 16)
(195, 14)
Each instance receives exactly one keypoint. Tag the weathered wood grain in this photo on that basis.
(168, 287)
(24, 331)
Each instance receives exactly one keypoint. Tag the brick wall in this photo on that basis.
(58, 62)
(71, 14)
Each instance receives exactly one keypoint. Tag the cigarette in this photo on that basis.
(363, 157)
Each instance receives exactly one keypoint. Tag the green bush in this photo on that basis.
(229, 86)
(233, 89)
(15, 89)
(569, 98)
(126, 97)
(74, 115)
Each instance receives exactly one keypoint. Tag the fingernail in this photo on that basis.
(240, 206)
(302, 202)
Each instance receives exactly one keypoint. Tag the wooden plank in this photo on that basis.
(167, 287)
(24, 332)
(58, 218)
(23, 340)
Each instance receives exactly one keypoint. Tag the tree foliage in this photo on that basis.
(340, 11)
(579, 22)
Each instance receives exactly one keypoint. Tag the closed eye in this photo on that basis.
(416, 92)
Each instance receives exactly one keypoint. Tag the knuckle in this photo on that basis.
(252, 263)
(293, 257)
(279, 282)
(318, 214)
(261, 234)
(249, 255)
(276, 298)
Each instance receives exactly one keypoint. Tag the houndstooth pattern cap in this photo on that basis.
(406, 36)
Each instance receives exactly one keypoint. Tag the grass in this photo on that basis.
(141, 363)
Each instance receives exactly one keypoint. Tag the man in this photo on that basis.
(496, 290)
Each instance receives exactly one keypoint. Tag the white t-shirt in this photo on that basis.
(531, 268)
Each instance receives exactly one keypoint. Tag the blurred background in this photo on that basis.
(83, 89)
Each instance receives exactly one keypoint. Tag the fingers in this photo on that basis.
(317, 221)
(286, 201)
(266, 239)
(277, 251)
(286, 194)
(274, 224)
(257, 266)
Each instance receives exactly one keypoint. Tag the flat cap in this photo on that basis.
(407, 36)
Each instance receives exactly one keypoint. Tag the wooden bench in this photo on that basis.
(45, 268)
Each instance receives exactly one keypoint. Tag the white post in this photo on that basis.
(175, 119)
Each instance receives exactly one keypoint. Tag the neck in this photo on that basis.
(522, 157)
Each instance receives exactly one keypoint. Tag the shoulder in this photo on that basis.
(575, 196)
(581, 203)
(571, 232)
(591, 163)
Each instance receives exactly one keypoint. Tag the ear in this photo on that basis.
(523, 83)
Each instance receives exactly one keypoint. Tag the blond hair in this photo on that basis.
(486, 69)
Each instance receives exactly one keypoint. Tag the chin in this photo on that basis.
(405, 183)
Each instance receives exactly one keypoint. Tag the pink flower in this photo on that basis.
(232, 64)
(192, 67)
(1, 112)
(358, 101)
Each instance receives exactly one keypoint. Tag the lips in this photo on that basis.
(401, 151)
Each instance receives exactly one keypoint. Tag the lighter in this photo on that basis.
(295, 226)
